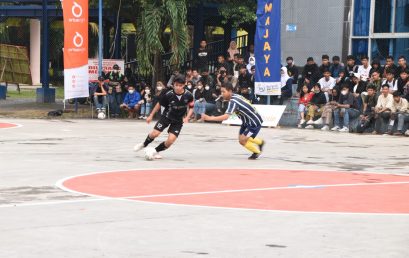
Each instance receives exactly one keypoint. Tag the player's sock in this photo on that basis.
(256, 140)
(148, 141)
(252, 147)
(161, 147)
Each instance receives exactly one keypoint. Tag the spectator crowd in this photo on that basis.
(368, 97)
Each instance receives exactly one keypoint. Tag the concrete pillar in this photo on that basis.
(35, 50)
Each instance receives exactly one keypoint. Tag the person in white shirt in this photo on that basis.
(327, 83)
(365, 68)
(400, 110)
(383, 110)
(391, 81)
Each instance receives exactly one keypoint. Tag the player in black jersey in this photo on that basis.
(177, 102)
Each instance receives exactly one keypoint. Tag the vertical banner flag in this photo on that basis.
(75, 48)
(268, 48)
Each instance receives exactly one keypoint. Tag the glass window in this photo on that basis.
(361, 17)
(402, 16)
(381, 48)
(401, 48)
(383, 16)
(359, 47)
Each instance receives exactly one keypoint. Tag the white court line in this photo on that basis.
(262, 189)
(51, 203)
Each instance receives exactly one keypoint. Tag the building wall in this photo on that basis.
(320, 29)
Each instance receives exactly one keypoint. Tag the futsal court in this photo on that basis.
(75, 188)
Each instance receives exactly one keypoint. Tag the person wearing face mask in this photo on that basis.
(329, 108)
(146, 103)
(286, 85)
(316, 105)
(200, 103)
(131, 102)
(159, 91)
(189, 86)
(347, 108)
(252, 62)
(292, 69)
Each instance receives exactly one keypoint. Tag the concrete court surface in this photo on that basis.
(38, 219)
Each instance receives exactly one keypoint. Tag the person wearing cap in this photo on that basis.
(292, 69)
(365, 68)
(400, 110)
(336, 67)
(116, 89)
(178, 103)
(100, 95)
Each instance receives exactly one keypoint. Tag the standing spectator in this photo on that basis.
(402, 64)
(310, 73)
(390, 80)
(100, 95)
(347, 108)
(315, 108)
(400, 109)
(364, 69)
(304, 101)
(403, 84)
(202, 57)
(146, 103)
(325, 65)
(327, 83)
(328, 110)
(232, 51)
(376, 67)
(286, 85)
(383, 109)
(131, 102)
(390, 66)
(336, 67)
(116, 89)
(292, 69)
(369, 104)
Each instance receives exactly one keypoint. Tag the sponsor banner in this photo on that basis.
(106, 67)
(271, 115)
(267, 88)
(75, 14)
(268, 47)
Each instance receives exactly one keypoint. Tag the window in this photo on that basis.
(402, 16)
(361, 17)
(383, 16)
(381, 48)
(359, 47)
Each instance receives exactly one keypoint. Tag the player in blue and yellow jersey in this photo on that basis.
(248, 114)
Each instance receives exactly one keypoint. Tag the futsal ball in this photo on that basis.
(101, 115)
(150, 153)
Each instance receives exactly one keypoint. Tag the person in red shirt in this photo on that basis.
(305, 99)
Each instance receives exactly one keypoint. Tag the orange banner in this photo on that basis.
(75, 48)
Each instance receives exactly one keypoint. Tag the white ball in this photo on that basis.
(150, 153)
(101, 115)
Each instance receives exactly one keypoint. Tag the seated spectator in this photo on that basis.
(325, 65)
(369, 104)
(383, 109)
(188, 74)
(189, 86)
(341, 80)
(146, 103)
(358, 87)
(347, 108)
(207, 78)
(286, 85)
(376, 67)
(350, 68)
(195, 76)
(327, 83)
(402, 64)
(100, 95)
(304, 101)
(390, 65)
(292, 69)
(316, 105)
(160, 89)
(210, 97)
(131, 102)
(376, 80)
(232, 51)
(249, 53)
(244, 82)
(364, 69)
(175, 73)
(390, 80)
(221, 62)
(400, 110)
(336, 67)
(252, 62)
(326, 117)
(403, 84)
(310, 74)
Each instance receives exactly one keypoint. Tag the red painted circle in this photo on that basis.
(267, 189)
(7, 125)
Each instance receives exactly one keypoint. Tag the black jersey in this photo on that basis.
(175, 105)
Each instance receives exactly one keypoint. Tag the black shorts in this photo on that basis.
(174, 126)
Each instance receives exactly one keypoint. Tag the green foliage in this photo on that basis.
(239, 13)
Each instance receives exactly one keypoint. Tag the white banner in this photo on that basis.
(106, 67)
(271, 115)
(76, 82)
(267, 88)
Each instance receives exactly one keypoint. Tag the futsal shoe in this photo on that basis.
(254, 156)
(262, 145)
(138, 147)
